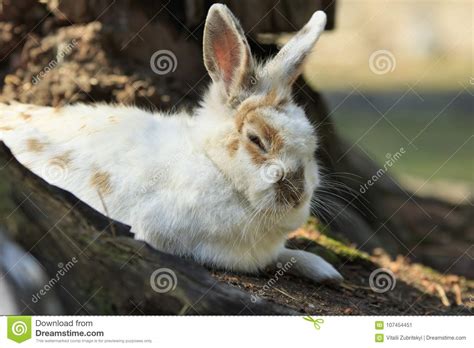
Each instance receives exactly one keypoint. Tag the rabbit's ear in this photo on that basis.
(226, 51)
(287, 65)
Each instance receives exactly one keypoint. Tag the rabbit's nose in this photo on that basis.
(291, 187)
(295, 176)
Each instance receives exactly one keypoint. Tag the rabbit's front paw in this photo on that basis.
(320, 271)
(310, 266)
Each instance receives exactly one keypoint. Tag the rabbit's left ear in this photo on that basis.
(226, 51)
(287, 65)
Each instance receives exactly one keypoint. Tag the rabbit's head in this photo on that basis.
(258, 137)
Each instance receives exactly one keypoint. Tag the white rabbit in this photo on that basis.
(223, 185)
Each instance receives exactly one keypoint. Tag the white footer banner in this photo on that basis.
(237, 331)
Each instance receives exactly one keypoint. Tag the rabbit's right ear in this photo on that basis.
(287, 65)
(227, 54)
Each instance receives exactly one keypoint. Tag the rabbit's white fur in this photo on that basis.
(190, 185)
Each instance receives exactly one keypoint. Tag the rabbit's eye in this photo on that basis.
(256, 140)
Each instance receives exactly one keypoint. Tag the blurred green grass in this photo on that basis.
(438, 151)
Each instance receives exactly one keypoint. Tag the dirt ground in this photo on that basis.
(414, 290)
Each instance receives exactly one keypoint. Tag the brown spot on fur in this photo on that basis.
(34, 145)
(247, 112)
(6, 128)
(282, 102)
(56, 110)
(233, 146)
(247, 106)
(63, 160)
(270, 100)
(112, 119)
(25, 116)
(82, 127)
(257, 156)
(101, 180)
(270, 134)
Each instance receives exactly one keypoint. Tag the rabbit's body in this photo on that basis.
(150, 171)
(223, 185)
